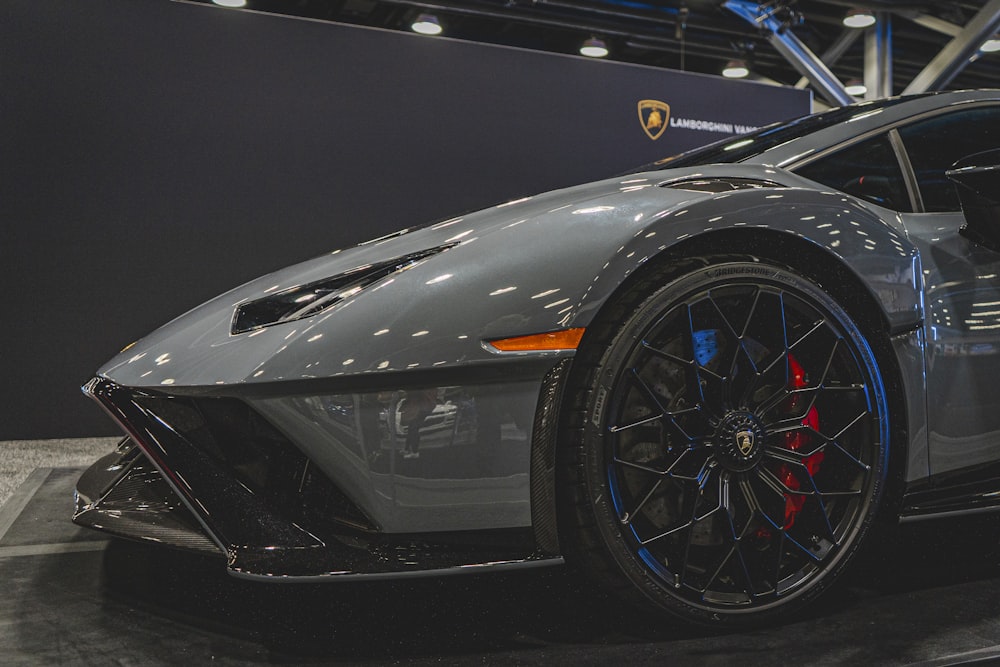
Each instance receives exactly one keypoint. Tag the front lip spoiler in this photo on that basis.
(123, 495)
(261, 544)
(227, 510)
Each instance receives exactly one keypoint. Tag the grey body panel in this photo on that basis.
(963, 343)
(546, 263)
(473, 466)
(528, 267)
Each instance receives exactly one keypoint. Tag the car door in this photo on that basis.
(902, 168)
(962, 295)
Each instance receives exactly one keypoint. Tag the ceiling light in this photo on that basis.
(991, 45)
(736, 69)
(427, 24)
(856, 88)
(231, 3)
(859, 18)
(594, 48)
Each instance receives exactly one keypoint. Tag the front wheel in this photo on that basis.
(729, 445)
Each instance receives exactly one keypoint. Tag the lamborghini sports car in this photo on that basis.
(704, 384)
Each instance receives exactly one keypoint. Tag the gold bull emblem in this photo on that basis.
(653, 117)
(744, 441)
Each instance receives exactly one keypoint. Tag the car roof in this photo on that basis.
(784, 144)
(864, 118)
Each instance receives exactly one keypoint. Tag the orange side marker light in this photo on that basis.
(567, 339)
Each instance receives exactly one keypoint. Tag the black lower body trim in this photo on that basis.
(187, 489)
(974, 490)
(544, 437)
(124, 495)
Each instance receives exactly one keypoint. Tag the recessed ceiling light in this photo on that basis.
(859, 18)
(991, 45)
(427, 24)
(594, 48)
(231, 3)
(736, 69)
(855, 88)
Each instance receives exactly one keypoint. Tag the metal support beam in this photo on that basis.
(878, 57)
(934, 23)
(835, 52)
(794, 51)
(955, 56)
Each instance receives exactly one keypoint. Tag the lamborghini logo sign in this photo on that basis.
(653, 116)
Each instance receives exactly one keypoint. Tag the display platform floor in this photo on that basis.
(71, 597)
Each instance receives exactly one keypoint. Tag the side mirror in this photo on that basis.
(977, 179)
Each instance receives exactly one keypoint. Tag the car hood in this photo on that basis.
(522, 267)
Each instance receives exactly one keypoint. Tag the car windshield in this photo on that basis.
(743, 147)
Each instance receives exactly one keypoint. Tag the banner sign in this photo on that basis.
(171, 151)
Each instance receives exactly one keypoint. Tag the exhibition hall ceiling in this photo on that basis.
(691, 35)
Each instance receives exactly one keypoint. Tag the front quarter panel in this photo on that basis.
(869, 241)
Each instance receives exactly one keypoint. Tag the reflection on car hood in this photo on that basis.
(517, 268)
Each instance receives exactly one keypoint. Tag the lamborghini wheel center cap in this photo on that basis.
(739, 441)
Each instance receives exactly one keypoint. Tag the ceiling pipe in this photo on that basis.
(878, 57)
(935, 24)
(954, 57)
(835, 52)
(798, 54)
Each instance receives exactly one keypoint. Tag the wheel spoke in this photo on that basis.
(770, 504)
(779, 559)
(663, 354)
(686, 559)
(748, 582)
(852, 423)
(696, 366)
(691, 464)
(794, 419)
(753, 309)
(733, 567)
(627, 519)
(860, 464)
(666, 533)
(646, 391)
(641, 422)
(817, 325)
(651, 396)
(808, 552)
(772, 480)
(729, 327)
(821, 502)
(640, 468)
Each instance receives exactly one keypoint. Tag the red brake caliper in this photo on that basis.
(795, 441)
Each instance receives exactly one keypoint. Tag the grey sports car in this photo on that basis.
(704, 383)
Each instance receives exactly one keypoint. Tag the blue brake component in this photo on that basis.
(706, 345)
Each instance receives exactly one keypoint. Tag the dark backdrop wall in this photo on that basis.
(155, 154)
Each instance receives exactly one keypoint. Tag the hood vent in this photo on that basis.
(313, 298)
(719, 185)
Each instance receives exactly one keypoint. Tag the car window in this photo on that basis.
(934, 144)
(868, 169)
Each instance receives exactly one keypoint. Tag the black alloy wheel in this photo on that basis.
(731, 445)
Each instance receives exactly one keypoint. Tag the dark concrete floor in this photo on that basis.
(71, 597)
